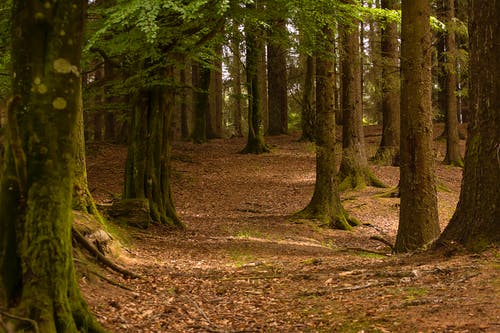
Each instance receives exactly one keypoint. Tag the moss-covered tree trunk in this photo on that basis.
(476, 222)
(325, 205)
(308, 119)
(388, 151)
(277, 79)
(148, 166)
(37, 275)
(418, 221)
(453, 155)
(354, 171)
(255, 141)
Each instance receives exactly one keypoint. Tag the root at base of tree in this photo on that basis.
(4, 313)
(358, 180)
(341, 221)
(80, 239)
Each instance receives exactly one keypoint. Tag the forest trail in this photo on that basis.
(242, 266)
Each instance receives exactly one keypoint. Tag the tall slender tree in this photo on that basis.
(254, 50)
(418, 221)
(37, 275)
(476, 222)
(354, 171)
(308, 114)
(453, 155)
(325, 205)
(277, 77)
(388, 151)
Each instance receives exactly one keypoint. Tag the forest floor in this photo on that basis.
(242, 265)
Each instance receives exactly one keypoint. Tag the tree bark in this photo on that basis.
(37, 274)
(308, 120)
(476, 223)
(325, 205)
(277, 79)
(201, 85)
(354, 171)
(418, 221)
(388, 151)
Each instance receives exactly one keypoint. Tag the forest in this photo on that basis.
(249, 166)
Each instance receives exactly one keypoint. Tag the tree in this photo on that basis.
(308, 115)
(418, 221)
(354, 171)
(254, 48)
(37, 274)
(453, 155)
(475, 223)
(201, 84)
(150, 51)
(277, 73)
(325, 205)
(388, 152)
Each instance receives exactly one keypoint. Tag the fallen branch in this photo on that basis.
(27, 320)
(99, 256)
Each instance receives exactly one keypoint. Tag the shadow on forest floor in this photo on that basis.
(242, 266)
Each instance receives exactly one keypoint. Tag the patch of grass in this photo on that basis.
(241, 258)
(357, 326)
(370, 255)
(249, 234)
(413, 293)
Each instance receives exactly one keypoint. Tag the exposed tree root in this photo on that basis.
(256, 149)
(358, 179)
(386, 156)
(80, 239)
(384, 241)
(33, 323)
(391, 193)
(341, 221)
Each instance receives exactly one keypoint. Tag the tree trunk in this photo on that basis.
(147, 171)
(216, 98)
(37, 275)
(354, 171)
(185, 99)
(308, 120)
(236, 87)
(476, 223)
(201, 85)
(453, 156)
(277, 80)
(418, 221)
(255, 140)
(325, 205)
(388, 152)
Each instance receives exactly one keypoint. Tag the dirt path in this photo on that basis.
(242, 266)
